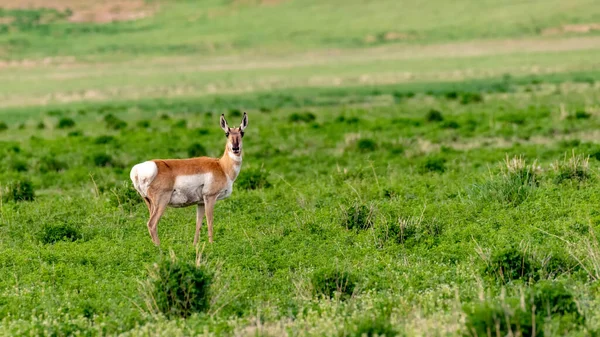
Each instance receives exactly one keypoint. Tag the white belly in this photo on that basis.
(188, 190)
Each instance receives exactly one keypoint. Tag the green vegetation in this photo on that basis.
(409, 169)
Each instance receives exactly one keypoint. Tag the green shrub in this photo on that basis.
(553, 298)
(371, 327)
(124, 195)
(582, 114)
(59, 232)
(471, 97)
(65, 123)
(410, 231)
(434, 164)
(333, 282)
(3, 126)
(358, 217)
(41, 126)
(235, 113)
(252, 179)
(302, 117)
(143, 124)
(178, 289)
(365, 145)
(450, 125)
(511, 264)
(434, 116)
(75, 133)
(18, 165)
(51, 164)
(196, 150)
(103, 160)
(494, 319)
(104, 139)
(21, 190)
(180, 124)
(114, 123)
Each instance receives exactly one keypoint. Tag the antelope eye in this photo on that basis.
(242, 133)
(226, 134)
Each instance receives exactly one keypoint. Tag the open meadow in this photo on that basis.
(409, 170)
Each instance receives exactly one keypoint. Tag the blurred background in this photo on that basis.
(58, 51)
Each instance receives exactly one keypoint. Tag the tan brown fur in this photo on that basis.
(222, 172)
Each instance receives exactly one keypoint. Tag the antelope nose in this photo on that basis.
(235, 148)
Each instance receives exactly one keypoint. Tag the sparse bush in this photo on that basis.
(252, 179)
(511, 264)
(51, 164)
(575, 168)
(434, 164)
(358, 217)
(333, 282)
(553, 298)
(202, 131)
(302, 117)
(434, 116)
(41, 126)
(59, 232)
(65, 123)
(196, 150)
(410, 231)
(451, 95)
(165, 117)
(3, 126)
(177, 289)
(21, 190)
(114, 123)
(75, 133)
(366, 145)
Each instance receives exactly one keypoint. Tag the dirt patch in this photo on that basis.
(90, 11)
(576, 28)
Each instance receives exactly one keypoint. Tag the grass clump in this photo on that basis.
(333, 282)
(358, 217)
(124, 195)
(21, 190)
(3, 126)
(65, 123)
(433, 164)
(365, 145)
(574, 168)
(196, 150)
(253, 179)
(515, 183)
(302, 117)
(434, 116)
(511, 264)
(114, 123)
(102, 160)
(59, 232)
(546, 309)
(51, 164)
(177, 289)
(371, 327)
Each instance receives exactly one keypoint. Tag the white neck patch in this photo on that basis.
(233, 157)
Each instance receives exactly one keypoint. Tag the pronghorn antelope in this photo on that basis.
(195, 181)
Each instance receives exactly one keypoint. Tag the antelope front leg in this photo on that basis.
(209, 203)
(199, 219)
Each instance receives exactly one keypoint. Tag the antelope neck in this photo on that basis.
(231, 163)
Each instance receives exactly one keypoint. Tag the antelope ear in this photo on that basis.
(224, 125)
(244, 123)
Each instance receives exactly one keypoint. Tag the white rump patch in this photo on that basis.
(142, 176)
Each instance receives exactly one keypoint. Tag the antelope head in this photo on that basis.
(234, 135)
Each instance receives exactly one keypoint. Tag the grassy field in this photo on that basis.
(409, 169)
